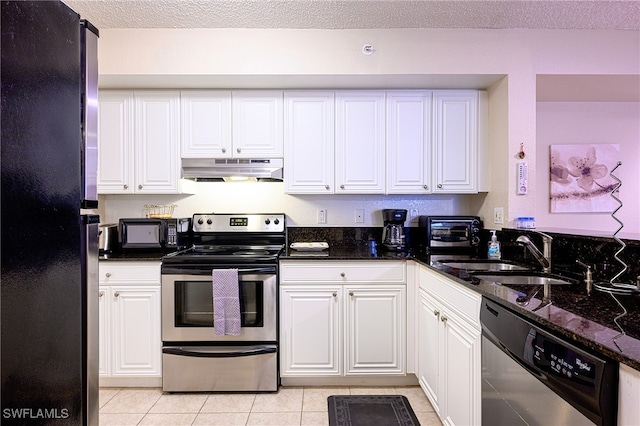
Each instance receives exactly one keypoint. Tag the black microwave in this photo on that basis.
(451, 234)
(151, 234)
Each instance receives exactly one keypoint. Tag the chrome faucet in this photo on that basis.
(543, 257)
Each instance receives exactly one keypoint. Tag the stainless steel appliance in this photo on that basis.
(459, 235)
(393, 237)
(533, 377)
(108, 240)
(194, 357)
(151, 234)
(221, 169)
(49, 257)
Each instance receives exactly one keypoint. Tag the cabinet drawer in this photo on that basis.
(457, 298)
(344, 272)
(129, 272)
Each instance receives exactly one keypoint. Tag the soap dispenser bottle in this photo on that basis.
(494, 247)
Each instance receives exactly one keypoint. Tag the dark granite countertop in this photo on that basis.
(141, 256)
(585, 320)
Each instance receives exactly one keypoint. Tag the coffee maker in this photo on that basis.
(393, 233)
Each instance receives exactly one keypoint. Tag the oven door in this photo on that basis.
(450, 234)
(187, 306)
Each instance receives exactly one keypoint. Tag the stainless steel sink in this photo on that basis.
(524, 278)
(484, 265)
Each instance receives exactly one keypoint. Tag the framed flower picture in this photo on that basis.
(579, 178)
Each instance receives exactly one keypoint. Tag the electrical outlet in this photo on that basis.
(322, 216)
(498, 216)
(359, 215)
(413, 214)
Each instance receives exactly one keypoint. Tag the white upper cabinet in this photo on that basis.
(257, 123)
(115, 142)
(139, 142)
(409, 153)
(360, 142)
(455, 141)
(309, 142)
(206, 123)
(157, 142)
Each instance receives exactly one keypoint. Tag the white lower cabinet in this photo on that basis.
(330, 327)
(130, 342)
(449, 348)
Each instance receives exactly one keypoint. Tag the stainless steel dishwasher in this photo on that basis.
(532, 377)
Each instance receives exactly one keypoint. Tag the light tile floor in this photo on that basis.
(289, 406)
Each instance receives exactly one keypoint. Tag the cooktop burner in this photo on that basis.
(232, 238)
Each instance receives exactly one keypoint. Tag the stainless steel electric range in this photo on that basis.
(194, 356)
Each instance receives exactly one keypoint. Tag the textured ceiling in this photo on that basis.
(360, 14)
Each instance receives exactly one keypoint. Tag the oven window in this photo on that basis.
(451, 233)
(194, 303)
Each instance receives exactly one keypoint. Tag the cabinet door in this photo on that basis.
(461, 362)
(257, 124)
(157, 142)
(409, 161)
(104, 330)
(115, 142)
(205, 123)
(455, 141)
(136, 330)
(375, 323)
(429, 348)
(309, 142)
(360, 142)
(310, 331)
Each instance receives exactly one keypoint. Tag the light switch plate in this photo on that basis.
(498, 216)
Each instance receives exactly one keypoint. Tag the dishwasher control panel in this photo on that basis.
(556, 358)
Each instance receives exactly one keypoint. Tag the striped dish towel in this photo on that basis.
(226, 302)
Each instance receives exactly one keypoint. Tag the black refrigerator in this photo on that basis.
(49, 239)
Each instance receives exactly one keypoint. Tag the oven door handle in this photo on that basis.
(213, 352)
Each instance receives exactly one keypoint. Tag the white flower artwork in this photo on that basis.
(579, 178)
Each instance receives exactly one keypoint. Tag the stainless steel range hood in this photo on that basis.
(220, 169)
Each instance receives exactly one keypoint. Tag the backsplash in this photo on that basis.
(566, 249)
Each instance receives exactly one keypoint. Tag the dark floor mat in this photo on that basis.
(371, 410)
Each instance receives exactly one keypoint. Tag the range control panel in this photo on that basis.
(214, 222)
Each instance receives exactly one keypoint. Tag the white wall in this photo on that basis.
(409, 58)
(269, 197)
(591, 123)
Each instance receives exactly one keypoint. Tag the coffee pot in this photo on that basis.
(393, 237)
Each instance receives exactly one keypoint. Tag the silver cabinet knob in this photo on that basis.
(125, 186)
(238, 150)
(326, 187)
(443, 319)
(439, 186)
(116, 294)
(224, 150)
(101, 294)
(341, 186)
(139, 186)
(108, 274)
(426, 187)
(335, 294)
(351, 293)
(342, 274)
(436, 312)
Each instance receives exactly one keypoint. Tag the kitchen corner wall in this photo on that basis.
(269, 197)
(402, 58)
